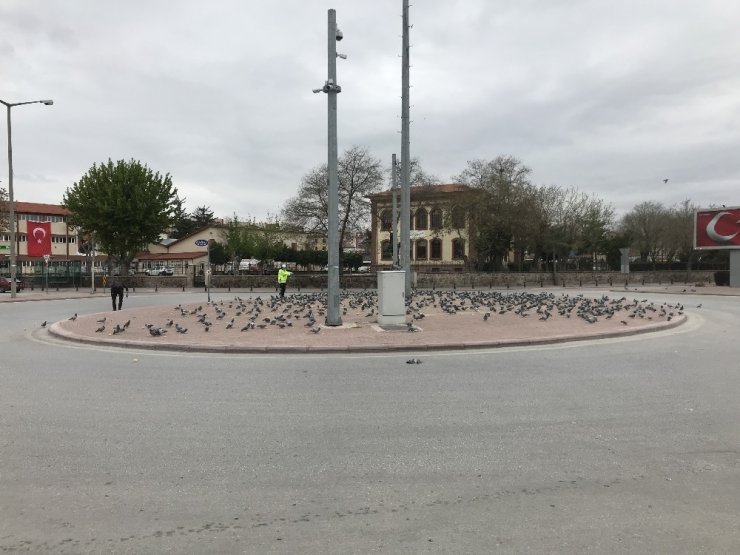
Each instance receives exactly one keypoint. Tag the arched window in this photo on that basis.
(435, 218)
(458, 217)
(420, 219)
(386, 220)
(458, 248)
(421, 249)
(436, 248)
(386, 250)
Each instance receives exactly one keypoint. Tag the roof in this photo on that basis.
(170, 255)
(38, 208)
(442, 188)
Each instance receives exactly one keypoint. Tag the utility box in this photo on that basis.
(391, 298)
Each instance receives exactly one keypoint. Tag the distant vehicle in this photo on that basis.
(5, 284)
(249, 266)
(363, 269)
(160, 272)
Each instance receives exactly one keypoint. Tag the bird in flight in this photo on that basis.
(666, 180)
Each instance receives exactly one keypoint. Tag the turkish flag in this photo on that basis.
(38, 235)
(717, 228)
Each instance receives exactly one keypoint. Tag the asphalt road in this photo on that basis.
(620, 446)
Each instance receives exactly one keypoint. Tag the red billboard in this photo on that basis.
(717, 228)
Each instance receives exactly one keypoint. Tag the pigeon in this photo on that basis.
(156, 332)
(43, 324)
(101, 321)
(73, 317)
(180, 329)
(411, 327)
(315, 329)
(118, 329)
(413, 361)
(666, 180)
(101, 328)
(126, 324)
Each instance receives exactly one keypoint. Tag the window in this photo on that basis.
(421, 249)
(436, 248)
(420, 219)
(386, 250)
(386, 220)
(458, 248)
(458, 217)
(435, 218)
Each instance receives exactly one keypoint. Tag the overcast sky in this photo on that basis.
(609, 97)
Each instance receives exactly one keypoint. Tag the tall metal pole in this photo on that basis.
(11, 200)
(405, 160)
(332, 313)
(394, 212)
(11, 212)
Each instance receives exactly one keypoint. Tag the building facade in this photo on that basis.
(440, 229)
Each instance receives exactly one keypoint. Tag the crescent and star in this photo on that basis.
(712, 232)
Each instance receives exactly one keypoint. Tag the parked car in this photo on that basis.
(363, 269)
(5, 284)
(160, 272)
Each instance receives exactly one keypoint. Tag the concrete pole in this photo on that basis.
(332, 314)
(394, 212)
(405, 155)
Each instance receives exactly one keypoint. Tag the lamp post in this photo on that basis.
(332, 89)
(208, 269)
(11, 201)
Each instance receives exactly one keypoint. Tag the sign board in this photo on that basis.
(47, 257)
(201, 242)
(4, 247)
(717, 228)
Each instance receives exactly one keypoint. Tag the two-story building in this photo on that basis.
(440, 229)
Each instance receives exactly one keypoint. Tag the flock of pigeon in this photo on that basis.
(243, 315)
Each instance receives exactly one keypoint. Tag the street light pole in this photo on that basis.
(11, 200)
(332, 89)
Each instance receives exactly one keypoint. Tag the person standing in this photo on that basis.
(116, 291)
(283, 276)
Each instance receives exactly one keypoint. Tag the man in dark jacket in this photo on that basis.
(116, 290)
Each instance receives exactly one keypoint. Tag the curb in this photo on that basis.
(56, 330)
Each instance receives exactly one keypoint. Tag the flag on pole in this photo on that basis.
(38, 235)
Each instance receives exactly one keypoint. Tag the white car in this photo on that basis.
(160, 272)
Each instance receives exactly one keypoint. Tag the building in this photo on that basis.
(440, 229)
(64, 239)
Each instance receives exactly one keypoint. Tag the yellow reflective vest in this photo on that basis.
(283, 275)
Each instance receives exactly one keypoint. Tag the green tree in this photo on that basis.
(498, 207)
(124, 204)
(202, 217)
(182, 223)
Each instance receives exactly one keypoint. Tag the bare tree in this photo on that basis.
(646, 223)
(360, 174)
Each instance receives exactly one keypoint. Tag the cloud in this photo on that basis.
(608, 97)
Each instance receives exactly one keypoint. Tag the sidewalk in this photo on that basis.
(480, 319)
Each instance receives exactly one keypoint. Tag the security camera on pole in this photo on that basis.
(332, 89)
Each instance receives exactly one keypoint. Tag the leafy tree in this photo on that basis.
(359, 174)
(182, 223)
(498, 206)
(202, 217)
(218, 254)
(124, 204)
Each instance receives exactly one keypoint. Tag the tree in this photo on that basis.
(124, 204)
(202, 217)
(359, 174)
(182, 223)
(646, 223)
(679, 233)
(498, 207)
